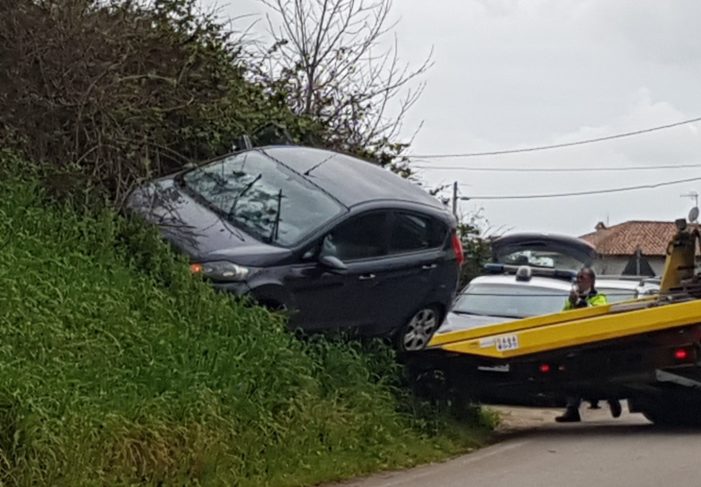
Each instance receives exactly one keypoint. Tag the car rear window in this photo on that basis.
(412, 232)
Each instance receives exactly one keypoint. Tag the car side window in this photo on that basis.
(363, 237)
(412, 232)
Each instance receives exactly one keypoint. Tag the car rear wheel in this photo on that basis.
(418, 331)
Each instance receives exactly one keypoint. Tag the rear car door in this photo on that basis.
(328, 298)
(415, 270)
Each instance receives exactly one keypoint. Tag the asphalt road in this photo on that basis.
(537, 452)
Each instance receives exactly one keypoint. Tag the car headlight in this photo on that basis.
(221, 271)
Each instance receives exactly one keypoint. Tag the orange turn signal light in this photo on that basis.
(196, 268)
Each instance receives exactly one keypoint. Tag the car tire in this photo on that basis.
(670, 413)
(419, 329)
(273, 306)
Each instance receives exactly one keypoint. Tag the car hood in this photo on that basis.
(576, 248)
(459, 321)
(197, 231)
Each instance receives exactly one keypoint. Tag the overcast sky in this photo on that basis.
(515, 73)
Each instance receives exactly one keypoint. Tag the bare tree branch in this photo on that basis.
(331, 57)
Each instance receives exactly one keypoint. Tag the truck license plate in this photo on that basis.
(507, 342)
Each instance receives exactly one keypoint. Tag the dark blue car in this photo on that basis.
(335, 241)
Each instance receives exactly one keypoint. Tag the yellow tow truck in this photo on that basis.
(647, 351)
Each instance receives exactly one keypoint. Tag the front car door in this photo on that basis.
(327, 298)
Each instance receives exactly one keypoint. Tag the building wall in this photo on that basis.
(616, 264)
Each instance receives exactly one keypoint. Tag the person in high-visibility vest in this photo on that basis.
(583, 295)
(584, 291)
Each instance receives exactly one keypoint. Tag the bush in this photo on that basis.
(105, 94)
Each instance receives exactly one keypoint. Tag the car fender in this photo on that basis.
(273, 294)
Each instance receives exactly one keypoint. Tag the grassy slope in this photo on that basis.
(117, 368)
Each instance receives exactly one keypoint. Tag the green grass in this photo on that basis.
(118, 368)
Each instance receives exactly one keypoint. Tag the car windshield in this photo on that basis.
(263, 197)
(511, 301)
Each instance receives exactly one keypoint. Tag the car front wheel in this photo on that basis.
(418, 331)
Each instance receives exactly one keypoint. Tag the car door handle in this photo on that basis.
(366, 277)
(428, 267)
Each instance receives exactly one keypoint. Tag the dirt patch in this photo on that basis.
(515, 419)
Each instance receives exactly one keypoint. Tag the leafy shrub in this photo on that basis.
(105, 94)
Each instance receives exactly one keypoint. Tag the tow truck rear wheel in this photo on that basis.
(674, 413)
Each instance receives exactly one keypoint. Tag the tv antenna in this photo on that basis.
(691, 194)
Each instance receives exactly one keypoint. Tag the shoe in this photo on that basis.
(615, 406)
(594, 405)
(571, 415)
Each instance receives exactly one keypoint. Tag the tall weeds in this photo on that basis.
(117, 369)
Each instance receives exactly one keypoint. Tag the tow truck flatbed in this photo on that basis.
(570, 328)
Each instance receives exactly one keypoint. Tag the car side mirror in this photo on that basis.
(332, 262)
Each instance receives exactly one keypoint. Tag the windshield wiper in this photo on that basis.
(241, 193)
(276, 224)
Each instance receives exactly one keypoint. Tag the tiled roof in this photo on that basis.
(651, 236)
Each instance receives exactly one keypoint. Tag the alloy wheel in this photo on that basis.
(420, 329)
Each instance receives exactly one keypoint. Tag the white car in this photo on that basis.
(532, 276)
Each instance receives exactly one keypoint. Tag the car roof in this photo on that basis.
(350, 180)
(556, 283)
(535, 281)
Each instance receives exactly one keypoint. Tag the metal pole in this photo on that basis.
(455, 199)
